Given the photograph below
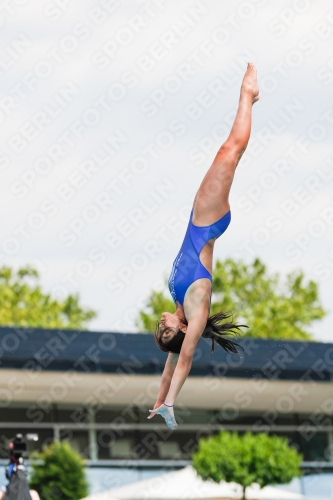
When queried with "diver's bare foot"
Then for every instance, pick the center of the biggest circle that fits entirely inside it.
(250, 84)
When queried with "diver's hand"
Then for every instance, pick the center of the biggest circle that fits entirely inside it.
(158, 403)
(167, 413)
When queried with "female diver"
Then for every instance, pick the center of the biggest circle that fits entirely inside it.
(190, 282)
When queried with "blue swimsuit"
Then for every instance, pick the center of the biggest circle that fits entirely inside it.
(187, 267)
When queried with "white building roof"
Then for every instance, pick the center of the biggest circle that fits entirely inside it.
(185, 484)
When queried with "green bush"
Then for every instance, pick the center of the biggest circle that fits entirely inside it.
(58, 472)
(247, 459)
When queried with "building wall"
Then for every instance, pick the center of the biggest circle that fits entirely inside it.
(118, 435)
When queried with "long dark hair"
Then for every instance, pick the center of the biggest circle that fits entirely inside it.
(214, 330)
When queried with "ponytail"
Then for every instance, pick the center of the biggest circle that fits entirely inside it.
(217, 331)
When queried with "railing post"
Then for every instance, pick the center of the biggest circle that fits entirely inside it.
(93, 448)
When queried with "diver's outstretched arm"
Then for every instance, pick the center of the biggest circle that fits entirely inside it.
(195, 328)
(196, 325)
(166, 377)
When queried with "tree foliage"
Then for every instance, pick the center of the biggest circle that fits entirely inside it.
(23, 303)
(58, 472)
(247, 459)
(271, 306)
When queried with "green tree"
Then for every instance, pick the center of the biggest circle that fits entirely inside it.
(58, 472)
(247, 459)
(272, 307)
(23, 303)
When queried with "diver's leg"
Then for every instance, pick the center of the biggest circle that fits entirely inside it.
(211, 201)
